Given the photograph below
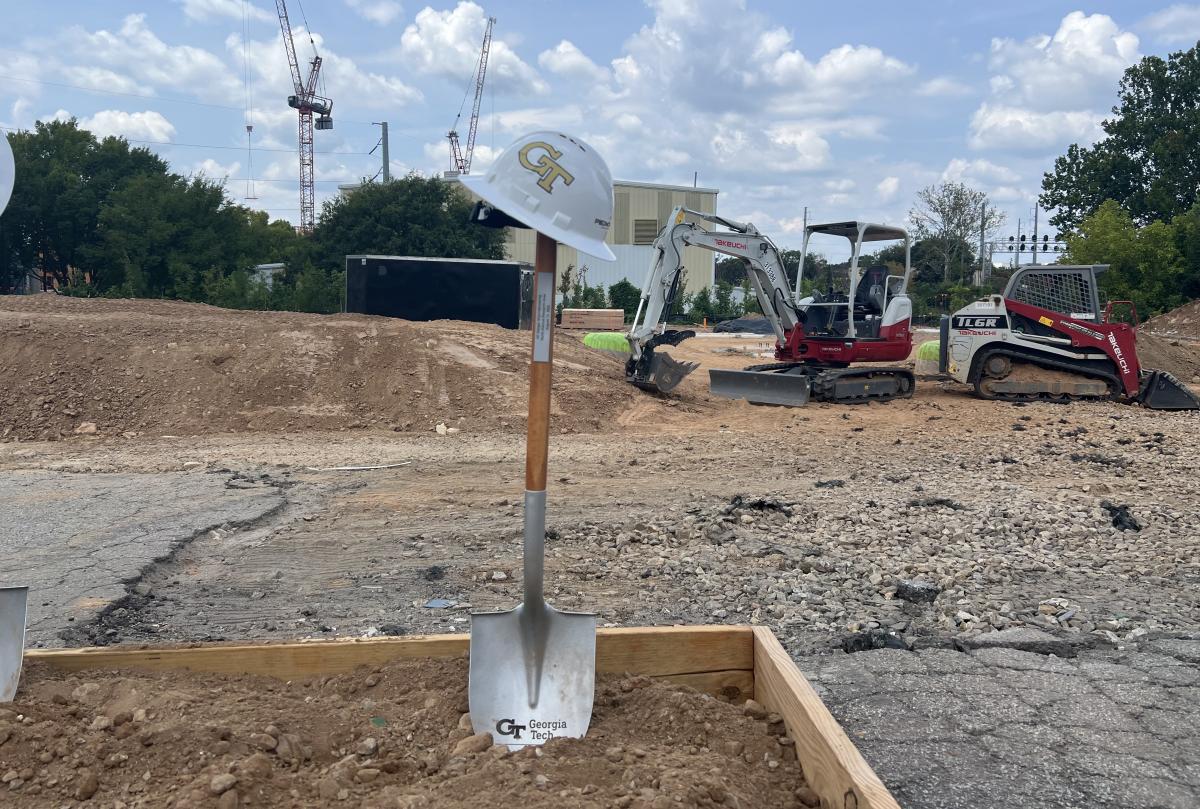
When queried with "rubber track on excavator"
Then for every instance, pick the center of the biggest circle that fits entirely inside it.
(824, 382)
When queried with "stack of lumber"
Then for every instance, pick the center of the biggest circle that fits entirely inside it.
(593, 319)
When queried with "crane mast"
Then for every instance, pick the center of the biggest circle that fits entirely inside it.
(461, 158)
(306, 102)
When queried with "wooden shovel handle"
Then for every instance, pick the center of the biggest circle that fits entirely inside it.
(537, 442)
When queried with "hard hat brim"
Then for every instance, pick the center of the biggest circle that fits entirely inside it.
(479, 185)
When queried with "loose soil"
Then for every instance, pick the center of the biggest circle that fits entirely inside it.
(393, 736)
(1182, 322)
(189, 369)
(1178, 357)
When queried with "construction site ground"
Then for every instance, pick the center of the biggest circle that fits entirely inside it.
(168, 476)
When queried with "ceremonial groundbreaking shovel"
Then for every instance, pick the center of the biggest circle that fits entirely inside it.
(533, 668)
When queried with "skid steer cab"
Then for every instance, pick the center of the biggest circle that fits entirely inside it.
(1047, 339)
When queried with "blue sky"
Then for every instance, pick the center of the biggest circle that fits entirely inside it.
(847, 109)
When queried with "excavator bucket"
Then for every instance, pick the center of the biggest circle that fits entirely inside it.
(1162, 391)
(761, 387)
(662, 374)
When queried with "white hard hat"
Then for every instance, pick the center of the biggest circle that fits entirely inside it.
(555, 184)
(7, 171)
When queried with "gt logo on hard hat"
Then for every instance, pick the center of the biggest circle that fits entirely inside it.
(546, 166)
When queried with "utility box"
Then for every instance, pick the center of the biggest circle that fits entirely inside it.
(419, 288)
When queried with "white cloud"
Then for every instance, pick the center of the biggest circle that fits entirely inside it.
(446, 44)
(1078, 66)
(565, 59)
(135, 51)
(942, 86)
(377, 11)
(1176, 25)
(216, 171)
(203, 10)
(1005, 127)
(887, 189)
(1050, 90)
(978, 172)
(147, 125)
(844, 184)
(98, 78)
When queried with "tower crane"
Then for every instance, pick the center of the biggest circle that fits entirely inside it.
(306, 102)
(461, 158)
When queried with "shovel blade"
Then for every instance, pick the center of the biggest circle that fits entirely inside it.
(13, 604)
(533, 674)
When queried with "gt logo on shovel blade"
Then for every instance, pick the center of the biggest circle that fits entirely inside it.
(509, 727)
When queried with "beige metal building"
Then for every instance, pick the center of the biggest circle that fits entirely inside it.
(639, 211)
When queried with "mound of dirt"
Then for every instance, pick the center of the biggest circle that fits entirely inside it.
(1183, 322)
(116, 366)
(393, 737)
(1178, 357)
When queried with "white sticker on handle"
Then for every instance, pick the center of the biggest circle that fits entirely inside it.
(543, 316)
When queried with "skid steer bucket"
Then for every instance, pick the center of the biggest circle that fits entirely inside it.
(1162, 391)
(761, 387)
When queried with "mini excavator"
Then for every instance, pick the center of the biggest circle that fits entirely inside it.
(817, 337)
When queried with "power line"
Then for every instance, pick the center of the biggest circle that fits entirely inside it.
(171, 99)
(212, 146)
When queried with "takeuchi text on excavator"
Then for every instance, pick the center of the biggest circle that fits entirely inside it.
(817, 337)
(1046, 338)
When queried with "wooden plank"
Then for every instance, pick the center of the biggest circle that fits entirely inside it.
(654, 651)
(659, 650)
(736, 686)
(832, 765)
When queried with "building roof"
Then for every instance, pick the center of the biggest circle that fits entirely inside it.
(662, 187)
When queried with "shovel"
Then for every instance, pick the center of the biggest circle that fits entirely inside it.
(13, 602)
(533, 668)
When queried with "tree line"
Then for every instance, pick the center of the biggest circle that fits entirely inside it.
(97, 217)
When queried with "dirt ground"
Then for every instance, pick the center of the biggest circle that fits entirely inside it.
(396, 736)
(662, 510)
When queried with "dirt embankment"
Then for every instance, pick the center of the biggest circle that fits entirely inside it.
(187, 369)
(1182, 322)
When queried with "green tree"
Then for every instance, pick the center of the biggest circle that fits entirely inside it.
(724, 306)
(64, 177)
(411, 216)
(731, 270)
(625, 295)
(1145, 264)
(749, 299)
(1147, 160)
(702, 306)
(949, 217)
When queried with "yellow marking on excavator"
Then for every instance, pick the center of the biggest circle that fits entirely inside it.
(1045, 321)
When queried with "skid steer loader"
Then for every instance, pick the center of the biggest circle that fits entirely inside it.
(1046, 338)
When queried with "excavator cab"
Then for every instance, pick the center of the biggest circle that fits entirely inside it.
(872, 305)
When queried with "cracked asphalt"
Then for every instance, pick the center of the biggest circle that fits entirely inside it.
(1000, 728)
(79, 540)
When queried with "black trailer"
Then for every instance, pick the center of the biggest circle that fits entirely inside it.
(419, 288)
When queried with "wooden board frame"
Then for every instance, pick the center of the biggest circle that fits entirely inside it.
(738, 662)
